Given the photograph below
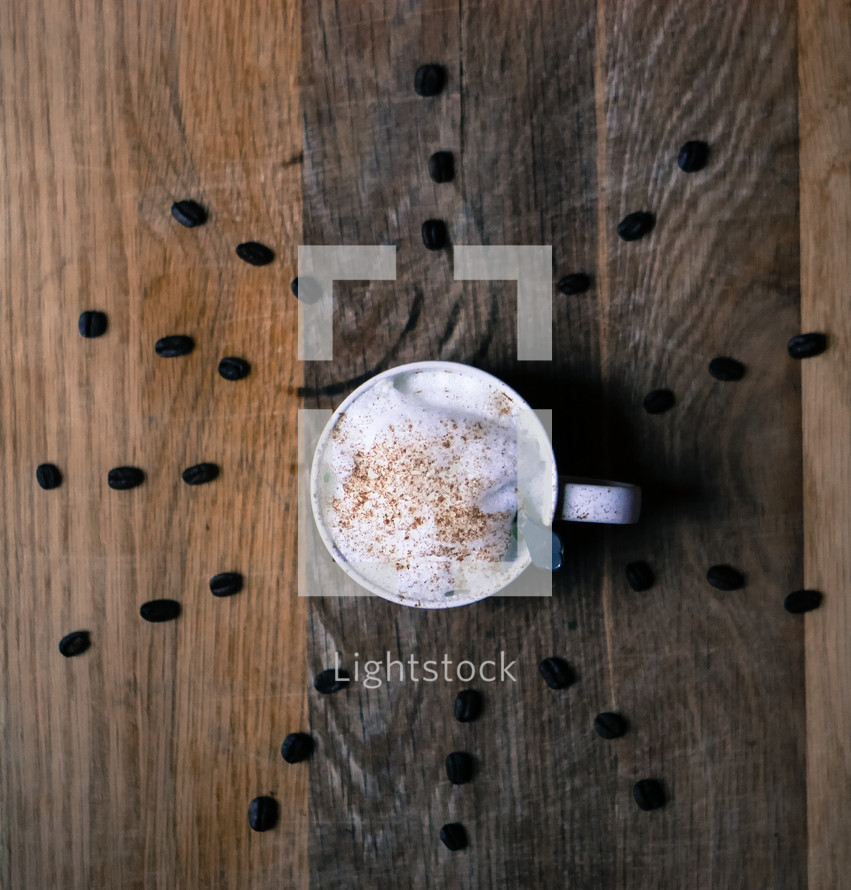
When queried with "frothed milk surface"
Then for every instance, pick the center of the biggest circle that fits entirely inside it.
(420, 484)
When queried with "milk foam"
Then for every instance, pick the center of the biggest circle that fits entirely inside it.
(422, 492)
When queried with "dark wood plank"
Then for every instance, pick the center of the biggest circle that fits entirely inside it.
(825, 124)
(712, 681)
(565, 119)
(385, 795)
(133, 765)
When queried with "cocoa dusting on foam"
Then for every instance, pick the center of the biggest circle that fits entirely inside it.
(426, 492)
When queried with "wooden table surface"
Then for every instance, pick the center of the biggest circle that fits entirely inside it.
(133, 764)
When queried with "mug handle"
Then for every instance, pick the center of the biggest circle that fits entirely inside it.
(595, 500)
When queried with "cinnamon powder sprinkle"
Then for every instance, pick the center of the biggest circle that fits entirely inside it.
(428, 507)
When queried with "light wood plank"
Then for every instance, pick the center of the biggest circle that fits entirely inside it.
(825, 129)
(134, 764)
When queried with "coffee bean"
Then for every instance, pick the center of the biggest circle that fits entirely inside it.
(639, 576)
(454, 836)
(263, 813)
(441, 166)
(174, 346)
(723, 368)
(807, 345)
(233, 368)
(92, 324)
(802, 601)
(331, 680)
(434, 234)
(48, 476)
(122, 478)
(189, 213)
(254, 253)
(636, 225)
(725, 577)
(459, 767)
(556, 672)
(468, 705)
(574, 283)
(74, 643)
(307, 289)
(429, 80)
(226, 584)
(610, 725)
(693, 156)
(297, 746)
(649, 794)
(200, 473)
(160, 610)
(659, 401)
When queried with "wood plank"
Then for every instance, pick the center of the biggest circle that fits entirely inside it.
(563, 121)
(384, 794)
(825, 129)
(133, 765)
(712, 680)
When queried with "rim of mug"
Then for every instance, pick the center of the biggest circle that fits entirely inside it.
(321, 444)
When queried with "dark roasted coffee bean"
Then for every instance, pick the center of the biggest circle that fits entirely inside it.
(48, 476)
(639, 576)
(233, 368)
(189, 213)
(226, 584)
(174, 346)
(636, 225)
(609, 725)
(434, 234)
(263, 813)
(649, 794)
(725, 577)
(331, 680)
(468, 705)
(441, 166)
(693, 156)
(429, 80)
(556, 672)
(74, 643)
(574, 283)
(160, 610)
(659, 401)
(200, 473)
(807, 345)
(254, 253)
(802, 601)
(297, 746)
(454, 836)
(122, 478)
(459, 767)
(723, 368)
(92, 324)
(307, 289)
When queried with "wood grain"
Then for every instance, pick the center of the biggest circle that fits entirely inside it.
(563, 120)
(720, 673)
(825, 125)
(133, 765)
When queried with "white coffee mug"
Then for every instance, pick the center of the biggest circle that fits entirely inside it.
(440, 390)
